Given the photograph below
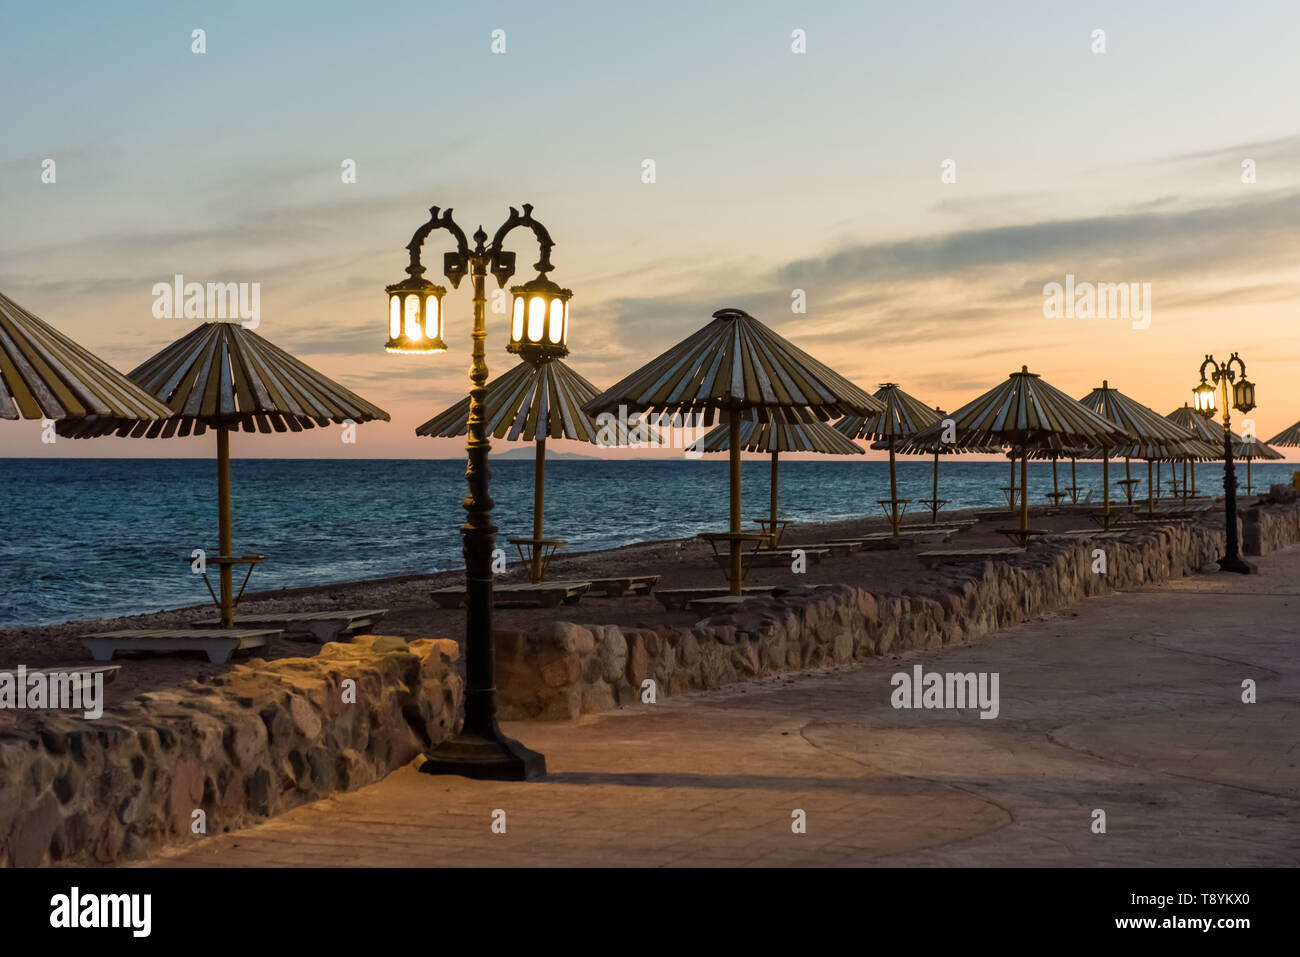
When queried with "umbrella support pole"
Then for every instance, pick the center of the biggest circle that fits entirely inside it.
(226, 536)
(1105, 489)
(1024, 490)
(1184, 481)
(1011, 496)
(934, 495)
(1151, 502)
(539, 498)
(772, 516)
(1074, 483)
(893, 490)
(733, 424)
(1128, 481)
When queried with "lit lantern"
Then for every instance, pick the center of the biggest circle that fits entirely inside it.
(1243, 395)
(415, 316)
(539, 320)
(1203, 399)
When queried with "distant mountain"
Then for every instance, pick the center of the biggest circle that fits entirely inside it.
(530, 453)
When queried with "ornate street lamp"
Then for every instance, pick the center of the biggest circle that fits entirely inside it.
(415, 314)
(1242, 399)
(415, 320)
(539, 320)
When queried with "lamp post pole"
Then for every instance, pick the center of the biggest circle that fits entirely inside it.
(1225, 375)
(480, 750)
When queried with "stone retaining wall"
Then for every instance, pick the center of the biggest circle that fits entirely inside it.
(268, 736)
(254, 742)
(560, 670)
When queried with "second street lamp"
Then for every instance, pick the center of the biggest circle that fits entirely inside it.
(1243, 400)
(480, 750)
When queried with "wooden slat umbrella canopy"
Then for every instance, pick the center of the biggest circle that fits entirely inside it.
(1249, 451)
(735, 364)
(1288, 437)
(527, 402)
(1025, 411)
(903, 416)
(777, 437)
(1194, 422)
(1157, 438)
(532, 402)
(1153, 432)
(224, 377)
(1211, 432)
(45, 375)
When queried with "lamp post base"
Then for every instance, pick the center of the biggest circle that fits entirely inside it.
(1238, 565)
(485, 758)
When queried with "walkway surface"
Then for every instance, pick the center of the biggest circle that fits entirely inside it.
(1129, 704)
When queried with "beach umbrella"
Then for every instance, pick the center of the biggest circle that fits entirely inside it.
(736, 365)
(1054, 455)
(534, 401)
(1211, 432)
(909, 446)
(1025, 412)
(775, 438)
(1251, 449)
(1151, 435)
(902, 417)
(1198, 425)
(45, 375)
(223, 377)
(1288, 438)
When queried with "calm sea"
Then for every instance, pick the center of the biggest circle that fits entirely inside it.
(90, 538)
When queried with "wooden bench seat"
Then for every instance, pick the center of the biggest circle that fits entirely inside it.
(907, 537)
(529, 595)
(628, 585)
(321, 626)
(677, 598)
(217, 643)
(959, 556)
(773, 557)
(1085, 533)
(718, 603)
(837, 547)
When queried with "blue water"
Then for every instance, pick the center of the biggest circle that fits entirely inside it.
(90, 538)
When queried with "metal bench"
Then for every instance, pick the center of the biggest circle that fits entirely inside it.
(217, 643)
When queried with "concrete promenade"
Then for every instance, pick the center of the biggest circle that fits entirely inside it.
(1131, 704)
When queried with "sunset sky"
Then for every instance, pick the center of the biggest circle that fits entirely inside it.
(775, 171)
